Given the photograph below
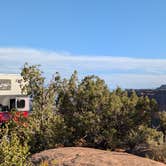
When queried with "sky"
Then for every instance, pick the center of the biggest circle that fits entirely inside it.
(122, 41)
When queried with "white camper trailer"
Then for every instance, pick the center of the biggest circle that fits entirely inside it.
(11, 96)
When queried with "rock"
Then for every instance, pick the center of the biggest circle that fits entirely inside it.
(79, 156)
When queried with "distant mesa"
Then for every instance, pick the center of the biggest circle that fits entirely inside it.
(162, 87)
(159, 94)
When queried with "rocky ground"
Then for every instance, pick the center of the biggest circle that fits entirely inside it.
(78, 156)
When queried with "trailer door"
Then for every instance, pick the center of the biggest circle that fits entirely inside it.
(12, 104)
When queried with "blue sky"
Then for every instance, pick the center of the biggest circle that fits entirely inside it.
(101, 37)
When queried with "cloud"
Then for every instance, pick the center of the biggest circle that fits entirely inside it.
(117, 71)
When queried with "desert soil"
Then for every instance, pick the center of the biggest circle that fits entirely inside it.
(79, 156)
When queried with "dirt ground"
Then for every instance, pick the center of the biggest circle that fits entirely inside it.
(78, 156)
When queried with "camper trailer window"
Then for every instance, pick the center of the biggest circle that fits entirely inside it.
(5, 84)
(20, 103)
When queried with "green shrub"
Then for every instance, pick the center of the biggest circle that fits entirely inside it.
(46, 130)
(13, 152)
(141, 139)
(157, 152)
